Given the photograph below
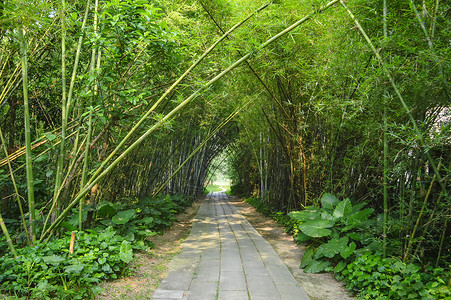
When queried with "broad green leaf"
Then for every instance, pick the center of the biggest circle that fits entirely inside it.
(307, 258)
(316, 266)
(107, 234)
(41, 158)
(328, 201)
(334, 246)
(50, 136)
(130, 236)
(123, 217)
(343, 208)
(340, 266)
(317, 228)
(126, 252)
(74, 268)
(304, 215)
(147, 220)
(301, 237)
(347, 251)
(105, 211)
(326, 216)
(53, 259)
(360, 216)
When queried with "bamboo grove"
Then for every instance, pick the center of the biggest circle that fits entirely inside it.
(110, 101)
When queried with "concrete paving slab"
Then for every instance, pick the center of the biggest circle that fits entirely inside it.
(225, 258)
(235, 295)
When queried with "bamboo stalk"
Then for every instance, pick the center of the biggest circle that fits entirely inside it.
(161, 122)
(29, 162)
(66, 102)
(16, 191)
(417, 223)
(60, 164)
(66, 181)
(88, 140)
(385, 183)
(398, 94)
(72, 242)
(430, 44)
(8, 237)
(434, 19)
(445, 226)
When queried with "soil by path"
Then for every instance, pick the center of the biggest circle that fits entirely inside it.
(150, 267)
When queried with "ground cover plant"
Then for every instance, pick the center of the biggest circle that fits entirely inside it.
(341, 238)
(48, 271)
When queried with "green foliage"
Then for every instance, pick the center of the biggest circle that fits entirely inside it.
(328, 229)
(48, 271)
(143, 218)
(374, 277)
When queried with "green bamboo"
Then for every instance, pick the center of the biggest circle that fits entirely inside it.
(168, 116)
(445, 226)
(384, 233)
(430, 44)
(401, 99)
(66, 180)
(89, 135)
(16, 191)
(8, 237)
(66, 102)
(60, 164)
(28, 159)
(170, 89)
(434, 18)
(417, 223)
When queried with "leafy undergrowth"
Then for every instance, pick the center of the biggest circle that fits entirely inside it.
(341, 238)
(48, 271)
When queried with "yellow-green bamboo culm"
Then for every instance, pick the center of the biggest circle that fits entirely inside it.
(8, 237)
(28, 159)
(16, 190)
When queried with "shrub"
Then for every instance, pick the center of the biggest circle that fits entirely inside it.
(46, 271)
(374, 277)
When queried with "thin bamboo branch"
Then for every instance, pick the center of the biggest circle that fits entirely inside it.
(431, 46)
(417, 223)
(398, 94)
(16, 191)
(385, 181)
(8, 237)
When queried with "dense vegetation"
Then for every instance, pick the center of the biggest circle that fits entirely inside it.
(106, 106)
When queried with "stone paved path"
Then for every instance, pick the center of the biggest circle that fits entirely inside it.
(225, 258)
